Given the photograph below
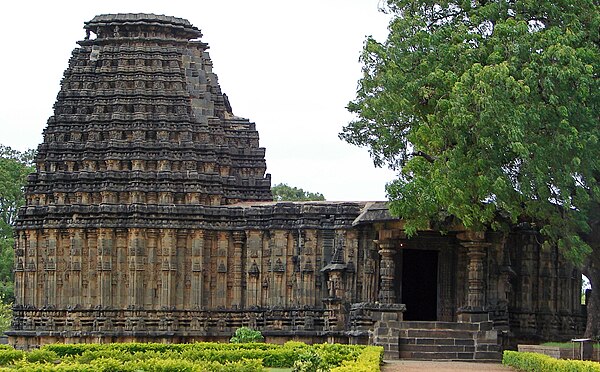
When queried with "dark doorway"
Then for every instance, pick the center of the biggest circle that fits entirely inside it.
(419, 284)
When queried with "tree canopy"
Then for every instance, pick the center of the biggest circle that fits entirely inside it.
(283, 192)
(490, 111)
(14, 168)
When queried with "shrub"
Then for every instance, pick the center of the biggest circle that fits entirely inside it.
(8, 356)
(533, 362)
(41, 356)
(368, 361)
(309, 361)
(245, 334)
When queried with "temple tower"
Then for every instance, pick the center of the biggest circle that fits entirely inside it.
(141, 137)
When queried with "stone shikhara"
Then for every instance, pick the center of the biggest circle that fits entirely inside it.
(150, 218)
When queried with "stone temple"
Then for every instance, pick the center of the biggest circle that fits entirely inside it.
(150, 218)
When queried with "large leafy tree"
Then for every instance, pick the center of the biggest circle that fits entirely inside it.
(284, 192)
(14, 168)
(490, 111)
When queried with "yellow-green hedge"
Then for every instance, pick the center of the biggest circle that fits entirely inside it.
(154, 364)
(251, 357)
(368, 361)
(534, 362)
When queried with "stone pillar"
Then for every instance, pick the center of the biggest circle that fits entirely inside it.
(105, 259)
(197, 268)
(118, 283)
(179, 271)
(153, 269)
(75, 252)
(92, 289)
(168, 247)
(387, 267)
(476, 245)
(238, 256)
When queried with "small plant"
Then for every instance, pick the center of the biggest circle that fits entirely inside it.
(245, 334)
(309, 361)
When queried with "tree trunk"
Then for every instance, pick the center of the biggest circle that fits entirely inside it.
(592, 271)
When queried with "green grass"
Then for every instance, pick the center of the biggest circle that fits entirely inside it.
(279, 369)
(566, 345)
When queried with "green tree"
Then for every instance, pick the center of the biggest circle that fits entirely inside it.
(283, 192)
(489, 109)
(245, 334)
(14, 168)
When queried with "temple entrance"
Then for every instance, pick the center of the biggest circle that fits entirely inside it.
(419, 284)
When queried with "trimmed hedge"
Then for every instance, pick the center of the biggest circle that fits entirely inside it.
(154, 364)
(534, 362)
(249, 357)
(368, 361)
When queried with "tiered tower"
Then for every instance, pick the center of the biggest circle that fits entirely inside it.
(141, 119)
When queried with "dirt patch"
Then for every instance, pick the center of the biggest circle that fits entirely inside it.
(420, 366)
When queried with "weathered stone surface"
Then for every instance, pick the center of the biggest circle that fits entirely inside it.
(149, 218)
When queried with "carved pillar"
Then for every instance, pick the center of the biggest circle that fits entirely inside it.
(136, 253)
(20, 268)
(51, 262)
(476, 246)
(168, 247)
(179, 271)
(387, 270)
(238, 243)
(153, 265)
(31, 262)
(105, 253)
(220, 298)
(118, 283)
(197, 268)
(92, 276)
(75, 282)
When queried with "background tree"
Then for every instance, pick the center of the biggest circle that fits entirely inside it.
(246, 334)
(14, 168)
(490, 110)
(283, 192)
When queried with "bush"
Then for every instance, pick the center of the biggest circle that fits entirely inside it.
(41, 356)
(368, 361)
(245, 334)
(8, 356)
(309, 361)
(534, 362)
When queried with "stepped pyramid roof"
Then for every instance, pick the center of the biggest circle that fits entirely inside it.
(140, 119)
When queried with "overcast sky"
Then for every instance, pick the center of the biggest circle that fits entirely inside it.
(290, 67)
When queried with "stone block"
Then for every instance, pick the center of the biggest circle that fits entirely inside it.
(444, 341)
(488, 355)
(464, 342)
(424, 341)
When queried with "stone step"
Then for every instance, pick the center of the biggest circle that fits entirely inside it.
(438, 341)
(465, 347)
(451, 356)
(437, 333)
(483, 326)
(438, 348)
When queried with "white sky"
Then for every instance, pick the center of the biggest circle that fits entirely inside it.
(290, 67)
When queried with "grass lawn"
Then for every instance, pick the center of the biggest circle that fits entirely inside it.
(567, 345)
(279, 369)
